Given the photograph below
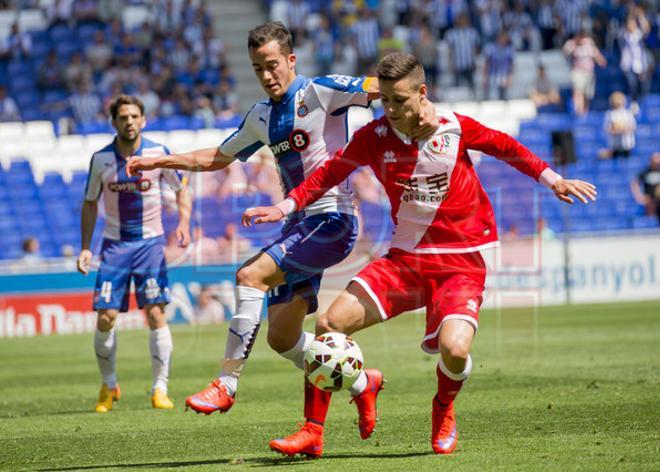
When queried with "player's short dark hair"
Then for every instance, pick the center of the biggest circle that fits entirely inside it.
(125, 100)
(271, 31)
(398, 65)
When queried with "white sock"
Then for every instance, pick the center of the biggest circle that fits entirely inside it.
(461, 375)
(105, 347)
(243, 330)
(160, 347)
(297, 352)
(359, 385)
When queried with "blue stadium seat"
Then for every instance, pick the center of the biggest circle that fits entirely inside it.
(19, 67)
(61, 33)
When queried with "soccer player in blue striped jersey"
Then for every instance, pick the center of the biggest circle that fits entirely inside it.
(133, 246)
(304, 123)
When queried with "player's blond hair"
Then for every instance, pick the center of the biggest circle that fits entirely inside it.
(399, 65)
(271, 31)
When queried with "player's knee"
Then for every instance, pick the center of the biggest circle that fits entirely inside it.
(155, 316)
(456, 349)
(105, 320)
(279, 341)
(330, 321)
(248, 276)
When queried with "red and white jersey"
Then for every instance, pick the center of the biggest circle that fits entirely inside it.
(438, 203)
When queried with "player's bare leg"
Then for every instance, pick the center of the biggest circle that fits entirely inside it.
(105, 347)
(253, 280)
(351, 311)
(160, 348)
(454, 367)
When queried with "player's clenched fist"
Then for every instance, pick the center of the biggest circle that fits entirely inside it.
(267, 214)
(84, 258)
(134, 166)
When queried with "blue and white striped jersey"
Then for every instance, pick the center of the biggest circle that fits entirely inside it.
(132, 205)
(305, 128)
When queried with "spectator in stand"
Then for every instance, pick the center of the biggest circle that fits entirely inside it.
(210, 50)
(584, 56)
(110, 10)
(58, 12)
(634, 60)
(499, 68)
(573, 15)
(180, 55)
(425, 47)
(31, 251)
(365, 34)
(205, 249)
(464, 44)
(208, 310)
(16, 46)
(149, 98)
(86, 12)
(512, 234)
(143, 38)
(543, 231)
(646, 188)
(388, 43)
(127, 50)
(297, 14)
(86, 105)
(324, 46)
(231, 244)
(77, 71)
(232, 181)
(204, 111)
(8, 107)
(544, 93)
(99, 53)
(225, 101)
(523, 33)
(548, 21)
(620, 127)
(489, 14)
(50, 74)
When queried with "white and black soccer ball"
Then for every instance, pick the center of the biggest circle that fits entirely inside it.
(333, 362)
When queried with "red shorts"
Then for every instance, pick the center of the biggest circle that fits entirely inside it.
(450, 286)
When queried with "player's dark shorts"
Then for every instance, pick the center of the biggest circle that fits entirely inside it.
(144, 261)
(450, 286)
(306, 248)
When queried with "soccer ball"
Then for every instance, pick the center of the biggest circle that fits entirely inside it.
(333, 362)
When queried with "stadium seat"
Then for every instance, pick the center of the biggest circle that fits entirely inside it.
(39, 131)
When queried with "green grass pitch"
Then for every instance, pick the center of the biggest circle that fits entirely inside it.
(558, 388)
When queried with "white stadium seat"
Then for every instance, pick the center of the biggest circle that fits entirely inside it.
(160, 137)
(182, 140)
(32, 20)
(134, 16)
(208, 138)
(39, 130)
(11, 131)
(97, 141)
(70, 144)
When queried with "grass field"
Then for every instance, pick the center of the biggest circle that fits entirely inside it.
(570, 388)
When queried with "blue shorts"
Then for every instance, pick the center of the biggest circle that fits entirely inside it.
(144, 261)
(306, 248)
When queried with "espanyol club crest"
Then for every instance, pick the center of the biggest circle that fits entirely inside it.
(439, 144)
(302, 110)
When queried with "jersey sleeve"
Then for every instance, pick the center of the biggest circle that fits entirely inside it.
(176, 179)
(501, 146)
(333, 172)
(243, 142)
(340, 91)
(94, 183)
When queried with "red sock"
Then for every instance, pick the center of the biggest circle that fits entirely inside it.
(447, 388)
(317, 402)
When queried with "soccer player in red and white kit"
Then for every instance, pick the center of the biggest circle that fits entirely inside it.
(443, 218)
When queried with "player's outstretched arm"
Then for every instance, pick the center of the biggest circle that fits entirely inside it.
(583, 191)
(202, 160)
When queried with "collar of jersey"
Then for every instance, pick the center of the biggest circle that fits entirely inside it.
(403, 137)
(119, 157)
(296, 85)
